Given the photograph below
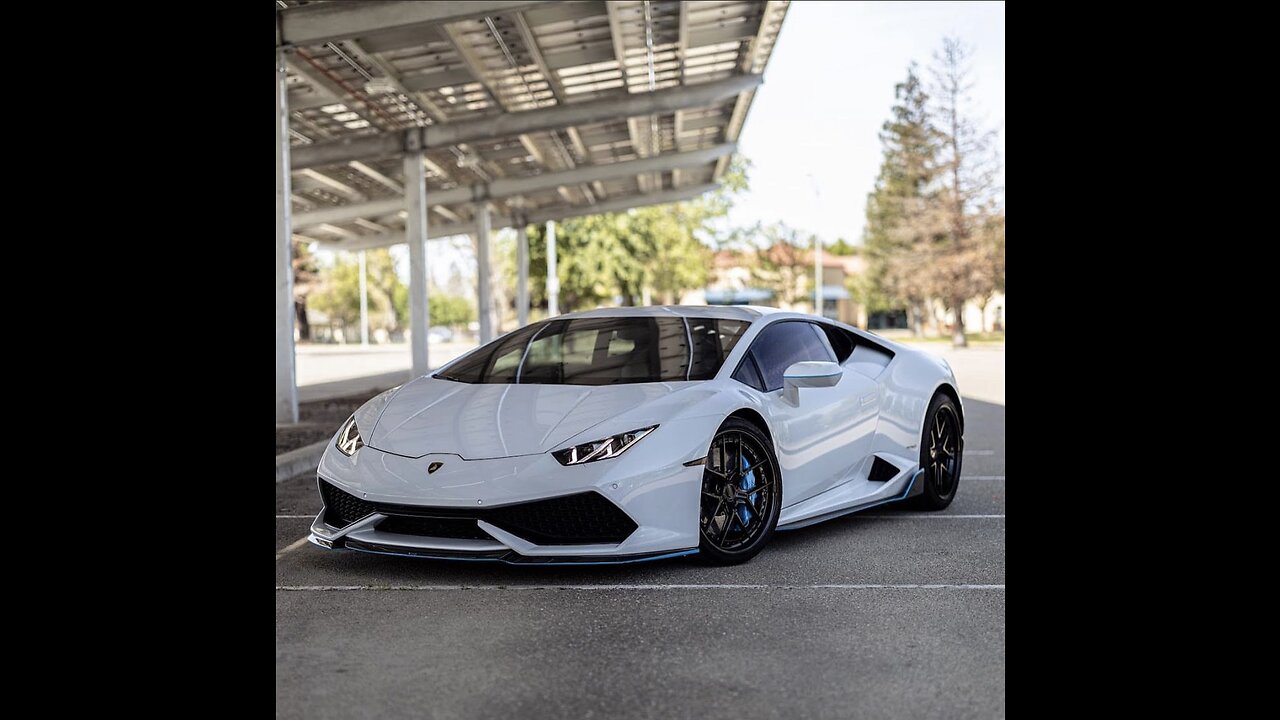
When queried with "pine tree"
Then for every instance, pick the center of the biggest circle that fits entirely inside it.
(894, 232)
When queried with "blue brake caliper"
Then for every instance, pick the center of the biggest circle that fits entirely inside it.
(748, 482)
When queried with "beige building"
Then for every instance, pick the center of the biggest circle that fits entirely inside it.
(739, 278)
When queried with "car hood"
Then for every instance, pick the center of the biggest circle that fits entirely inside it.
(484, 421)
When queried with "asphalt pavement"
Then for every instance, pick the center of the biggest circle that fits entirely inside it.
(891, 613)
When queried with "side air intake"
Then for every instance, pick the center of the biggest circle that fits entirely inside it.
(882, 471)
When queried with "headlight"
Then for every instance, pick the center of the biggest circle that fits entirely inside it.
(349, 440)
(602, 449)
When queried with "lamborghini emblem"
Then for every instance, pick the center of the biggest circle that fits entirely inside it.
(434, 467)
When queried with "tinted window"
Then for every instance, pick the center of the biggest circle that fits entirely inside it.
(477, 367)
(784, 343)
(596, 351)
(713, 340)
(746, 374)
(840, 340)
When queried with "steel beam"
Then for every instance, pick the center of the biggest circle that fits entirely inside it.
(368, 242)
(619, 204)
(515, 124)
(342, 213)
(286, 376)
(327, 22)
(508, 187)
(375, 175)
(415, 204)
(590, 173)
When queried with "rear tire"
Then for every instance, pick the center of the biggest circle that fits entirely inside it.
(738, 511)
(941, 455)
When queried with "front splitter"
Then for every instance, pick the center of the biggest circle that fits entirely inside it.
(509, 557)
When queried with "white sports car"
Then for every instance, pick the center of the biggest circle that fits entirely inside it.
(642, 433)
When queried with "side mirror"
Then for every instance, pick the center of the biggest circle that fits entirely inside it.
(808, 374)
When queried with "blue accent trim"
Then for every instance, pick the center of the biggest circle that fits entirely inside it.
(850, 511)
(677, 554)
(628, 561)
(411, 555)
(802, 377)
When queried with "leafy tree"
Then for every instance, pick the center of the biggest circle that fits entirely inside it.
(339, 291)
(785, 265)
(842, 247)
(450, 310)
(339, 294)
(645, 254)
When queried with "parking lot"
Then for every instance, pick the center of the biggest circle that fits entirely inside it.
(889, 613)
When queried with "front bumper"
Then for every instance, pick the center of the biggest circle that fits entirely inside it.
(524, 510)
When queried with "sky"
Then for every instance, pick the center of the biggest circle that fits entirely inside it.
(812, 132)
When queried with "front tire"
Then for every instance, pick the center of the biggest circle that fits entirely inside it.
(941, 454)
(741, 494)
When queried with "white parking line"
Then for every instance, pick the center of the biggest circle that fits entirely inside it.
(981, 477)
(295, 517)
(291, 547)
(424, 588)
(926, 516)
(979, 452)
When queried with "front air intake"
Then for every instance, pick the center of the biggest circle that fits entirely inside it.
(342, 508)
(586, 518)
(581, 519)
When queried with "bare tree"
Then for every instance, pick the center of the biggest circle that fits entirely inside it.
(786, 264)
(967, 196)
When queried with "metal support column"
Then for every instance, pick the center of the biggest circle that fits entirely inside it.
(483, 289)
(364, 303)
(286, 376)
(522, 272)
(553, 279)
(415, 226)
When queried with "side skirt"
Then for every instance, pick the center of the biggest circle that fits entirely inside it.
(856, 508)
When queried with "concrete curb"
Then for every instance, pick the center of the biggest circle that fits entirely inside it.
(296, 462)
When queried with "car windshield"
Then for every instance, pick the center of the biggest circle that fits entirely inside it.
(602, 351)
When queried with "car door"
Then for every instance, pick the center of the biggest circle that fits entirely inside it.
(821, 441)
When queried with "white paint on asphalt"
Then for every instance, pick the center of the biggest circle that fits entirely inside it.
(979, 452)
(927, 516)
(292, 546)
(425, 588)
(981, 477)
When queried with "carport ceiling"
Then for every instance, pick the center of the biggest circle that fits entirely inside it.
(525, 104)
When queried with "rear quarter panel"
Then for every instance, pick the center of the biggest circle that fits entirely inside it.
(907, 386)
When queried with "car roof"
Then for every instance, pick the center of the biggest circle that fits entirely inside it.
(749, 313)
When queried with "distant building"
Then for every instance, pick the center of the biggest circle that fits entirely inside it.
(735, 280)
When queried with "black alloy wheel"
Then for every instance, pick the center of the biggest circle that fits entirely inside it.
(941, 454)
(741, 494)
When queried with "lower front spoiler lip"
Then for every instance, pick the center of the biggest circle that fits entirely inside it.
(509, 557)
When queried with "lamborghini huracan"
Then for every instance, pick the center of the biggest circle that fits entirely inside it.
(628, 434)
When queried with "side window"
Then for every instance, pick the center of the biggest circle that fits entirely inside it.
(784, 343)
(713, 340)
(747, 375)
(840, 341)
